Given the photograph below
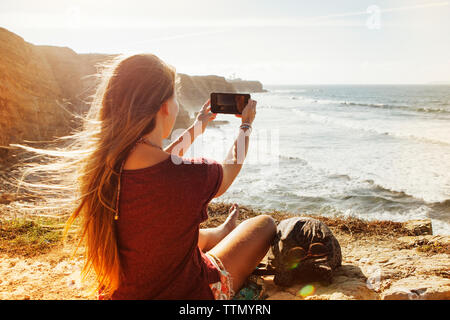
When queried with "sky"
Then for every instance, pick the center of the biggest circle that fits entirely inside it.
(275, 42)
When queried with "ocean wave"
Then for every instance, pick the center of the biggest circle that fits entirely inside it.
(302, 161)
(376, 201)
(353, 125)
(374, 191)
(339, 176)
(389, 194)
(396, 195)
(444, 110)
(401, 107)
(421, 212)
(282, 92)
(442, 205)
(402, 196)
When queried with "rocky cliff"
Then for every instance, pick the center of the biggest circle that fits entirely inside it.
(41, 87)
(195, 90)
(29, 94)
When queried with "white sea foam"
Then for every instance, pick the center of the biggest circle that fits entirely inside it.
(429, 134)
(371, 162)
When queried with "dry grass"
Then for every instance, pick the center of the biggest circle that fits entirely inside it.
(434, 247)
(30, 237)
(352, 226)
(428, 246)
(34, 236)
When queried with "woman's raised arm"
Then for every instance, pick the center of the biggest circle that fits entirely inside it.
(235, 158)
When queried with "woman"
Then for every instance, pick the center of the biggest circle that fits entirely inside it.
(141, 205)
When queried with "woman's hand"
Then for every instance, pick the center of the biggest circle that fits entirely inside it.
(249, 112)
(205, 116)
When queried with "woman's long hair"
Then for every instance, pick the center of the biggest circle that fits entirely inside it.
(124, 109)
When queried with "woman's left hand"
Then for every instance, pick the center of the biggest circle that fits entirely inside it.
(205, 115)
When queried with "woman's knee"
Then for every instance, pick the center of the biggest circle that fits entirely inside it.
(271, 224)
(264, 222)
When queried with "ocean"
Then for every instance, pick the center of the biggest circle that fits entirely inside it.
(367, 151)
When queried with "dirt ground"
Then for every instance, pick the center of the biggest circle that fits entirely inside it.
(376, 265)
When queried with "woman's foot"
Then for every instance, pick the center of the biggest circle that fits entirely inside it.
(230, 222)
(210, 237)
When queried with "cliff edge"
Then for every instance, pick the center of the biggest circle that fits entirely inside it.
(43, 87)
(382, 260)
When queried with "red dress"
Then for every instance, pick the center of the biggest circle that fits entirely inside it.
(160, 210)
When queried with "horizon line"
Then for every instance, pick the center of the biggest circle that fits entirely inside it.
(355, 84)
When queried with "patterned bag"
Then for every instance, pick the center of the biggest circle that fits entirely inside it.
(253, 289)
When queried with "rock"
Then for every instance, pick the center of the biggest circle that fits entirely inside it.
(414, 288)
(183, 120)
(281, 295)
(196, 90)
(395, 270)
(247, 86)
(29, 94)
(420, 240)
(426, 244)
(349, 283)
(419, 227)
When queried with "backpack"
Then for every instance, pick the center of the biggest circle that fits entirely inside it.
(303, 250)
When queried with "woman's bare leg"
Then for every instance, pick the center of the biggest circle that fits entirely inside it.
(244, 247)
(209, 237)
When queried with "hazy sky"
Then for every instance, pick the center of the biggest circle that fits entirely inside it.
(276, 42)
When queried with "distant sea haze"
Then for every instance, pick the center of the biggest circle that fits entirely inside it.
(372, 151)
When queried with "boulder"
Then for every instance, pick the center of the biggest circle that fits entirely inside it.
(415, 288)
(419, 227)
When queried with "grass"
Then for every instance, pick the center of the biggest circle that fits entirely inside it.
(34, 236)
(433, 247)
(30, 237)
(356, 227)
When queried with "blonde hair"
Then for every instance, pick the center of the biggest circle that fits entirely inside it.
(85, 174)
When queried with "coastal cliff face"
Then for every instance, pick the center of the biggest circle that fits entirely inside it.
(29, 94)
(195, 90)
(75, 74)
(41, 87)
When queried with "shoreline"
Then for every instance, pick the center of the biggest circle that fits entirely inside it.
(381, 260)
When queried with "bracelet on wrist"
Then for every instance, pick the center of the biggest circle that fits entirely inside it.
(245, 126)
